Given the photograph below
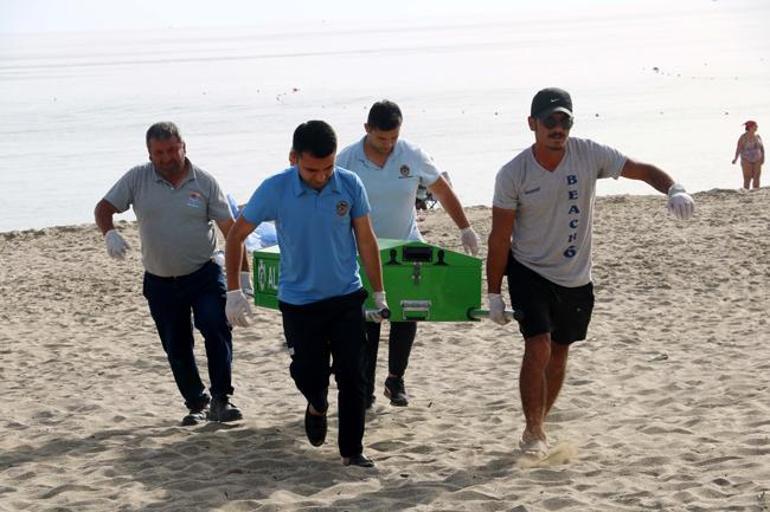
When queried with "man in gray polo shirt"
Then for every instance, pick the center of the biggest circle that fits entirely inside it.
(175, 203)
(548, 189)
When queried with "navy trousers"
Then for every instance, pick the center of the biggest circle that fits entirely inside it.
(178, 303)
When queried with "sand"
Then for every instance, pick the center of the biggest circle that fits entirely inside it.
(666, 405)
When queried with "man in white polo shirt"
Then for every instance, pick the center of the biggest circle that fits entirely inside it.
(392, 169)
(321, 216)
(176, 206)
(541, 238)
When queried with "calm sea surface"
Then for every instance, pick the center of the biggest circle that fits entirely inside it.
(667, 87)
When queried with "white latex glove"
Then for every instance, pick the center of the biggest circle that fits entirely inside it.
(497, 309)
(680, 203)
(470, 240)
(380, 303)
(116, 245)
(238, 309)
(246, 285)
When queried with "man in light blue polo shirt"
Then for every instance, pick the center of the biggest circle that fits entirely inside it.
(392, 169)
(321, 214)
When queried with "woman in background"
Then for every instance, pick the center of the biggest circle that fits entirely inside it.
(752, 154)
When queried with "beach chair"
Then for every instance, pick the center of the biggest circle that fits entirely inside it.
(424, 199)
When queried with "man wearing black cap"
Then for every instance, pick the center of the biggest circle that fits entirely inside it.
(541, 239)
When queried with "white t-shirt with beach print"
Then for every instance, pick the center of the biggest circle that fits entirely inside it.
(554, 209)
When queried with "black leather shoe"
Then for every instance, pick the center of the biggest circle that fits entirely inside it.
(199, 412)
(395, 390)
(315, 427)
(223, 410)
(359, 460)
(194, 417)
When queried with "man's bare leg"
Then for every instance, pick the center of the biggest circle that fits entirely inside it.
(533, 386)
(554, 374)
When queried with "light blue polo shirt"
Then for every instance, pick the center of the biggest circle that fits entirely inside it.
(315, 233)
(392, 188)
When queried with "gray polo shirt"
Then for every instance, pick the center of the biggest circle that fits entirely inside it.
(175, 224)
(554, 209)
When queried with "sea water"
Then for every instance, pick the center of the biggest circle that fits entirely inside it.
(671, 86)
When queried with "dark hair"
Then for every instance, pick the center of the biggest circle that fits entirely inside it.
(163, 130)
(314, 137)
(384, 115)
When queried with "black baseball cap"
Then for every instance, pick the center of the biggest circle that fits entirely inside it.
(550, 100)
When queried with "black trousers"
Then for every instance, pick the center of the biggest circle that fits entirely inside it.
(330, 329)
(400, 343)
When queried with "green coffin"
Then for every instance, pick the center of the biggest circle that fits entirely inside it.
(423, 281)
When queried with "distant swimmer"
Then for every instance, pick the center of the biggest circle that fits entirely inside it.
(176, 205)
(752, 154)
(392, 171)
(541, 239)
(321, 215)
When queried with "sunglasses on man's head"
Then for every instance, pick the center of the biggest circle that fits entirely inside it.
(551, 122)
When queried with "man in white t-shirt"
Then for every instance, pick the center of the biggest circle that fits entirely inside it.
(392, 169)
(541, 239)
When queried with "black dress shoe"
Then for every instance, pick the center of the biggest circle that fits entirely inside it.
(359, 460)
(315, 427)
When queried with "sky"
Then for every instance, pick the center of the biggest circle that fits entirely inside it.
(33, 16)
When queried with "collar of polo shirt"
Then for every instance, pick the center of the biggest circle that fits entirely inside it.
(299, 187)
(361, 154)
(190, 176)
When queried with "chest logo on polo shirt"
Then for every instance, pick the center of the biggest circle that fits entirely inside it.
(195, 200)
(405, 171)
(343, 208)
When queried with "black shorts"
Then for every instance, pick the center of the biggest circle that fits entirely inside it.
(548, 307)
